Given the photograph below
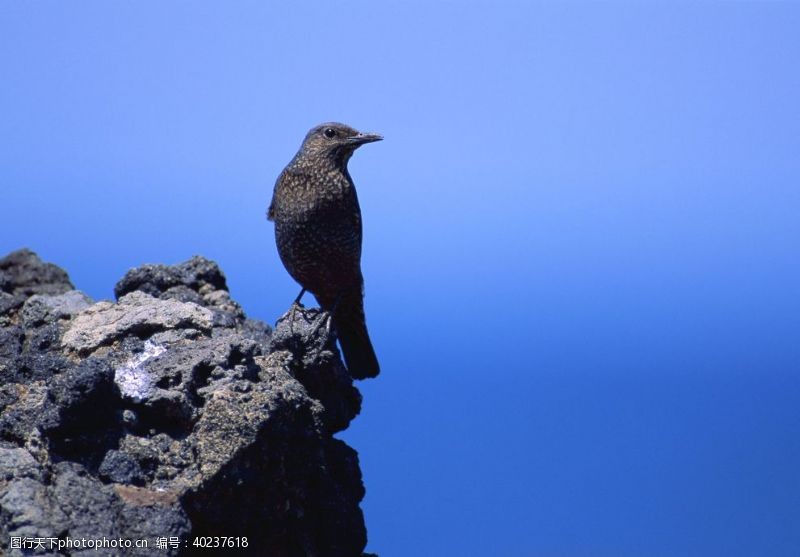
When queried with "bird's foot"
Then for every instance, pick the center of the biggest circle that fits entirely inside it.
(325, 318)
(296, 304)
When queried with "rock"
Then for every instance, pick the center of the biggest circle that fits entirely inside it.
(314, 359)
(170, 414)
(22, 273)
(136, 314)
(8, 302)
(16, 462)
(40, 309)
(121, 468)
(197, 280)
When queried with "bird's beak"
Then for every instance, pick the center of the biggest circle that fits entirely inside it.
(362, 138)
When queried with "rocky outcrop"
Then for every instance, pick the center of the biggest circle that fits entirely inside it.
(169, 416)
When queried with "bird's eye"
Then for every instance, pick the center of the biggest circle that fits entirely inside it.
(330, 133)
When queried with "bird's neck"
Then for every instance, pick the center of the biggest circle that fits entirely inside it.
(332, 161)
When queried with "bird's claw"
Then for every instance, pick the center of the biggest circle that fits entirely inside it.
(296, 304)
(325, 318)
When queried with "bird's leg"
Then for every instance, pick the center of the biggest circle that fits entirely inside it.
(295, 305)
(324, 318)
(327, 318)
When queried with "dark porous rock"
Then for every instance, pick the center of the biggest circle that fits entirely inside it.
(169, 414)
(23, 274)
(40, 310)
(303, 338)
(197, 280)
(122, 468)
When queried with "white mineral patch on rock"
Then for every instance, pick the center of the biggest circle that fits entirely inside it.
(131, 377)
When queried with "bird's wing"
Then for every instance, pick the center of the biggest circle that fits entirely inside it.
(271, 209)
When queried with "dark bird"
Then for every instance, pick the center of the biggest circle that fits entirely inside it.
(318, 232)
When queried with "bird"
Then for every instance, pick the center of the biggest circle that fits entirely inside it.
(318, 233)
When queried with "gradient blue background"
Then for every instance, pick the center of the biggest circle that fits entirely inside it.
(581, 240)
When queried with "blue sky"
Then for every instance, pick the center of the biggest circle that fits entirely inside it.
(580, 242)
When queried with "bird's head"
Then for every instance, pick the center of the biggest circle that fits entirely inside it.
(335, 141)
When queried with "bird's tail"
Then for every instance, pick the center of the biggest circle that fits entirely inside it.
(351, 328)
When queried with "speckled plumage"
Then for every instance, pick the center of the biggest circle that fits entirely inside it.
(318, 233)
